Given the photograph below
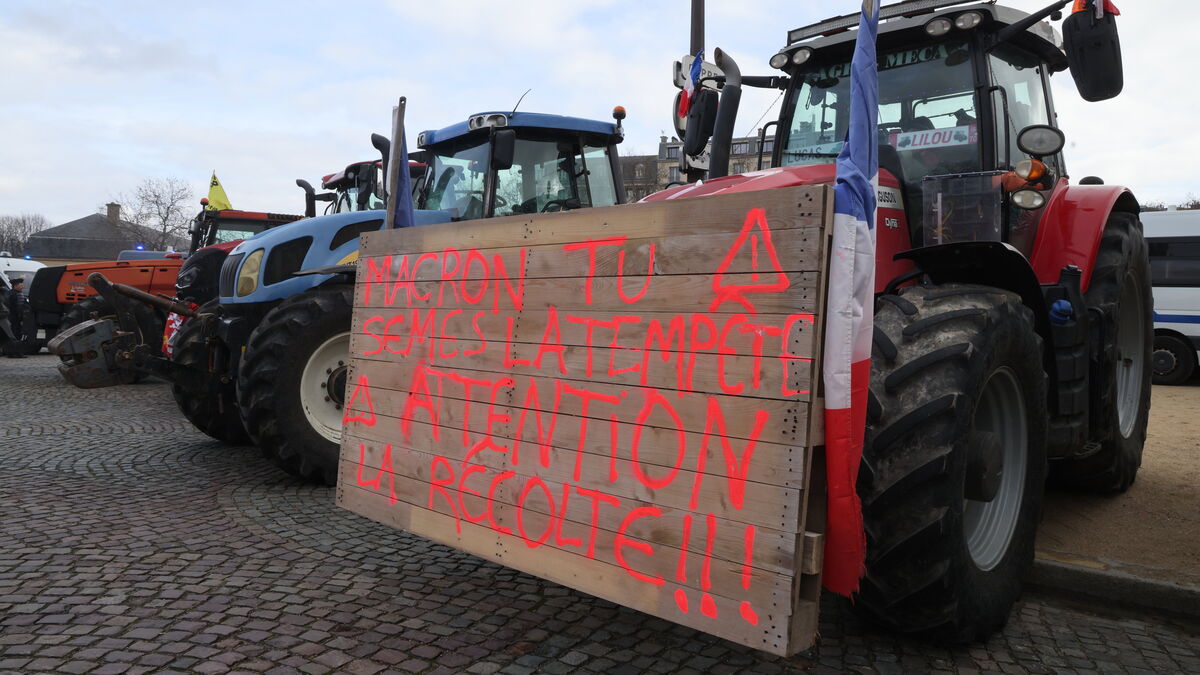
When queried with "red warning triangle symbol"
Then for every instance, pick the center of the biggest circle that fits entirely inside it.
(748, 251)
(362, 387)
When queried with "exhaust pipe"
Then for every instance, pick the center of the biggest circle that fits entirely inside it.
(727, 109)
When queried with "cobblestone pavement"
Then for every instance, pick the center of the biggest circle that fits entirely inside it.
(131, 543)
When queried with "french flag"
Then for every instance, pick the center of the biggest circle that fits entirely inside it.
(849, 315)
(689, 86)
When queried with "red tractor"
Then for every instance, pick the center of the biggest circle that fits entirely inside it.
(1012, 320)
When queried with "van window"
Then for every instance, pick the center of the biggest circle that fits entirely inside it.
(1175, 261)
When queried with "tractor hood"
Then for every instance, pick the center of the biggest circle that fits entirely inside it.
(303, 245)
(766, 179)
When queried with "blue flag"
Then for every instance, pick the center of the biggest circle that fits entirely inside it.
(402, 203)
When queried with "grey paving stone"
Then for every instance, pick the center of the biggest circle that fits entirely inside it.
(134, 543)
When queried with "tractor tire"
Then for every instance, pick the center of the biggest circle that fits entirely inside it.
(1174, 360)
(954, 460)
(211, 409)
(1120, 410)
(292, 382)
(150, 324)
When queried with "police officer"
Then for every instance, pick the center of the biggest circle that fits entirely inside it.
(14, 307)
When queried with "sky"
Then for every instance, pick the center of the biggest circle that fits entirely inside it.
(99, 96)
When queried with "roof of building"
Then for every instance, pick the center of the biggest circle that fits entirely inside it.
(93, 237)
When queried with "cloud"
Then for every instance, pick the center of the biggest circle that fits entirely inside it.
(100, 96)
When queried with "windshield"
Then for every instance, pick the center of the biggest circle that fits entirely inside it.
(359, 191)
(233, 231)
(455, 180)
(549, 175)
(926, 111)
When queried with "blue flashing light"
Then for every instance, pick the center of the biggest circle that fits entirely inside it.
(140, 247)
(29, 257)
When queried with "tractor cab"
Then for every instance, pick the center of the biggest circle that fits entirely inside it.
(967, 147)
(358, 187)
(224, 226)
(501, 164)
(957, 87)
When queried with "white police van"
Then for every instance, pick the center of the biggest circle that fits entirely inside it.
(18, 268)
(1174, 240)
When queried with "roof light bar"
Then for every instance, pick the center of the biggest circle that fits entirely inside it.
(841, 23)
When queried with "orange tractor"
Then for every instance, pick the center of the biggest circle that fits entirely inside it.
(61, 296)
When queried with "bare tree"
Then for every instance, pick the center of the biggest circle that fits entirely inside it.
(1154, 206)
(161, 208)
(16, 230)
(1192, 203)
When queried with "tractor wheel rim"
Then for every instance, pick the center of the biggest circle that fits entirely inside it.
(323, 408)
(1131, 354)
(988, 526)
(1164, 362)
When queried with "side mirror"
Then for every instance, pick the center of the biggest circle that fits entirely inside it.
(504, 147)
(1094, 54)
(701, 120)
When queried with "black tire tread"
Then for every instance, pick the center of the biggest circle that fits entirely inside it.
(262, 404)
(1113, 468)
(919, 411)
(211, 409)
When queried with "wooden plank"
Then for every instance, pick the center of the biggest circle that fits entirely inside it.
(450, 330)
(533, 510)
(634, 258)
(786, 378)
(758, 504)
(773, 547)
(765, 420)
(687, 293)
(574, 439)
(805, 207)
(814, 553)
(659, 374)
(768, 631)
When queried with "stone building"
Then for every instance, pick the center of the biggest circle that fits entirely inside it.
(640, 173)
(98, 236)
(645, 174)
(743, 157)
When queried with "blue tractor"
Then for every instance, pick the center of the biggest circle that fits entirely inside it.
(275, 352)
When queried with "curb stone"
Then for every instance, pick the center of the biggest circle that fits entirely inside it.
(1094, 580)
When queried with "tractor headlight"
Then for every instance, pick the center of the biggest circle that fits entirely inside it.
(938, 27)
(247, 280)
(801, 55)
(1028, 199)
(968, 20)
(779, 60)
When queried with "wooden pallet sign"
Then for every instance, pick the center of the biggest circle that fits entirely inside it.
(621, 400)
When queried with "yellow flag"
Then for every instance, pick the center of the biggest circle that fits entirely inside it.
(217, 199)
